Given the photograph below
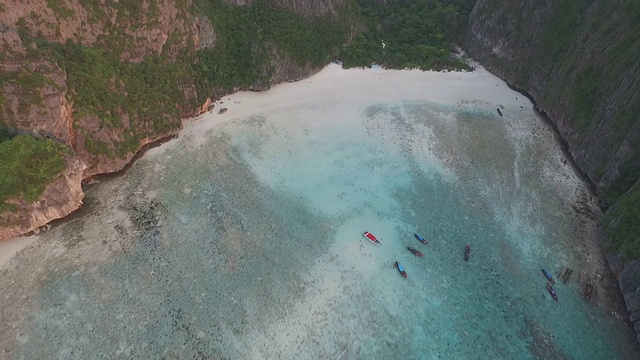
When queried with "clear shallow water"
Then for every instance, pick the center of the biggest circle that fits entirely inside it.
(253, 247)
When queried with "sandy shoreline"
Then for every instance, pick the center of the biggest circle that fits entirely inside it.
(446, 88)
(9, 248)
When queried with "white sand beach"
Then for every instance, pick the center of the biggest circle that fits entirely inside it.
(9, 248)
(335, 84)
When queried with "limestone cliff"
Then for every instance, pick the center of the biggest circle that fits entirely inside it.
(107, 78)
(39, 99)
(578, 60)
(59, 199)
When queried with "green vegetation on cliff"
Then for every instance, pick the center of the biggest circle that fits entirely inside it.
(102, 86)
(109, 89)
(579, 60)
(621, 224)
(249, 37)
(604, 100)
(585, 96)
(583, 55)
(5, 134)
(562, 27)
(622, 64)
(27, 166)
(409, 34)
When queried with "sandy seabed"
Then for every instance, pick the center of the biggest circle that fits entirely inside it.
(242, 239)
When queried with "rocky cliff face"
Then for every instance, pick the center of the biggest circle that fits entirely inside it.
(59, 199)
(39, 102)
(106, 78)
(38, 99)
(578, 60)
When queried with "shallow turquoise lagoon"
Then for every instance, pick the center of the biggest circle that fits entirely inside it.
(254, 246)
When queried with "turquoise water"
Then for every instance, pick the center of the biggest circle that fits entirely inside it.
(255, 247)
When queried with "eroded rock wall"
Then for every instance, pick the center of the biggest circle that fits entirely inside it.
(578, 60)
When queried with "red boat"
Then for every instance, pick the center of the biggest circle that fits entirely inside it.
(369, 236)
(414, 251)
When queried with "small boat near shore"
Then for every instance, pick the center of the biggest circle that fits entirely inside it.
(414, 251)
(420, 238)
(552, 292)
(369, 236)
(467, 252)
(400, 269)
(548, 276)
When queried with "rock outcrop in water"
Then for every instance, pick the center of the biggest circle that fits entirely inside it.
(578, 61)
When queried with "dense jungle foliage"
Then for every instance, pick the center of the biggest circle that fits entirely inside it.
(27, 166)
(248, 37)
(409, 34)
